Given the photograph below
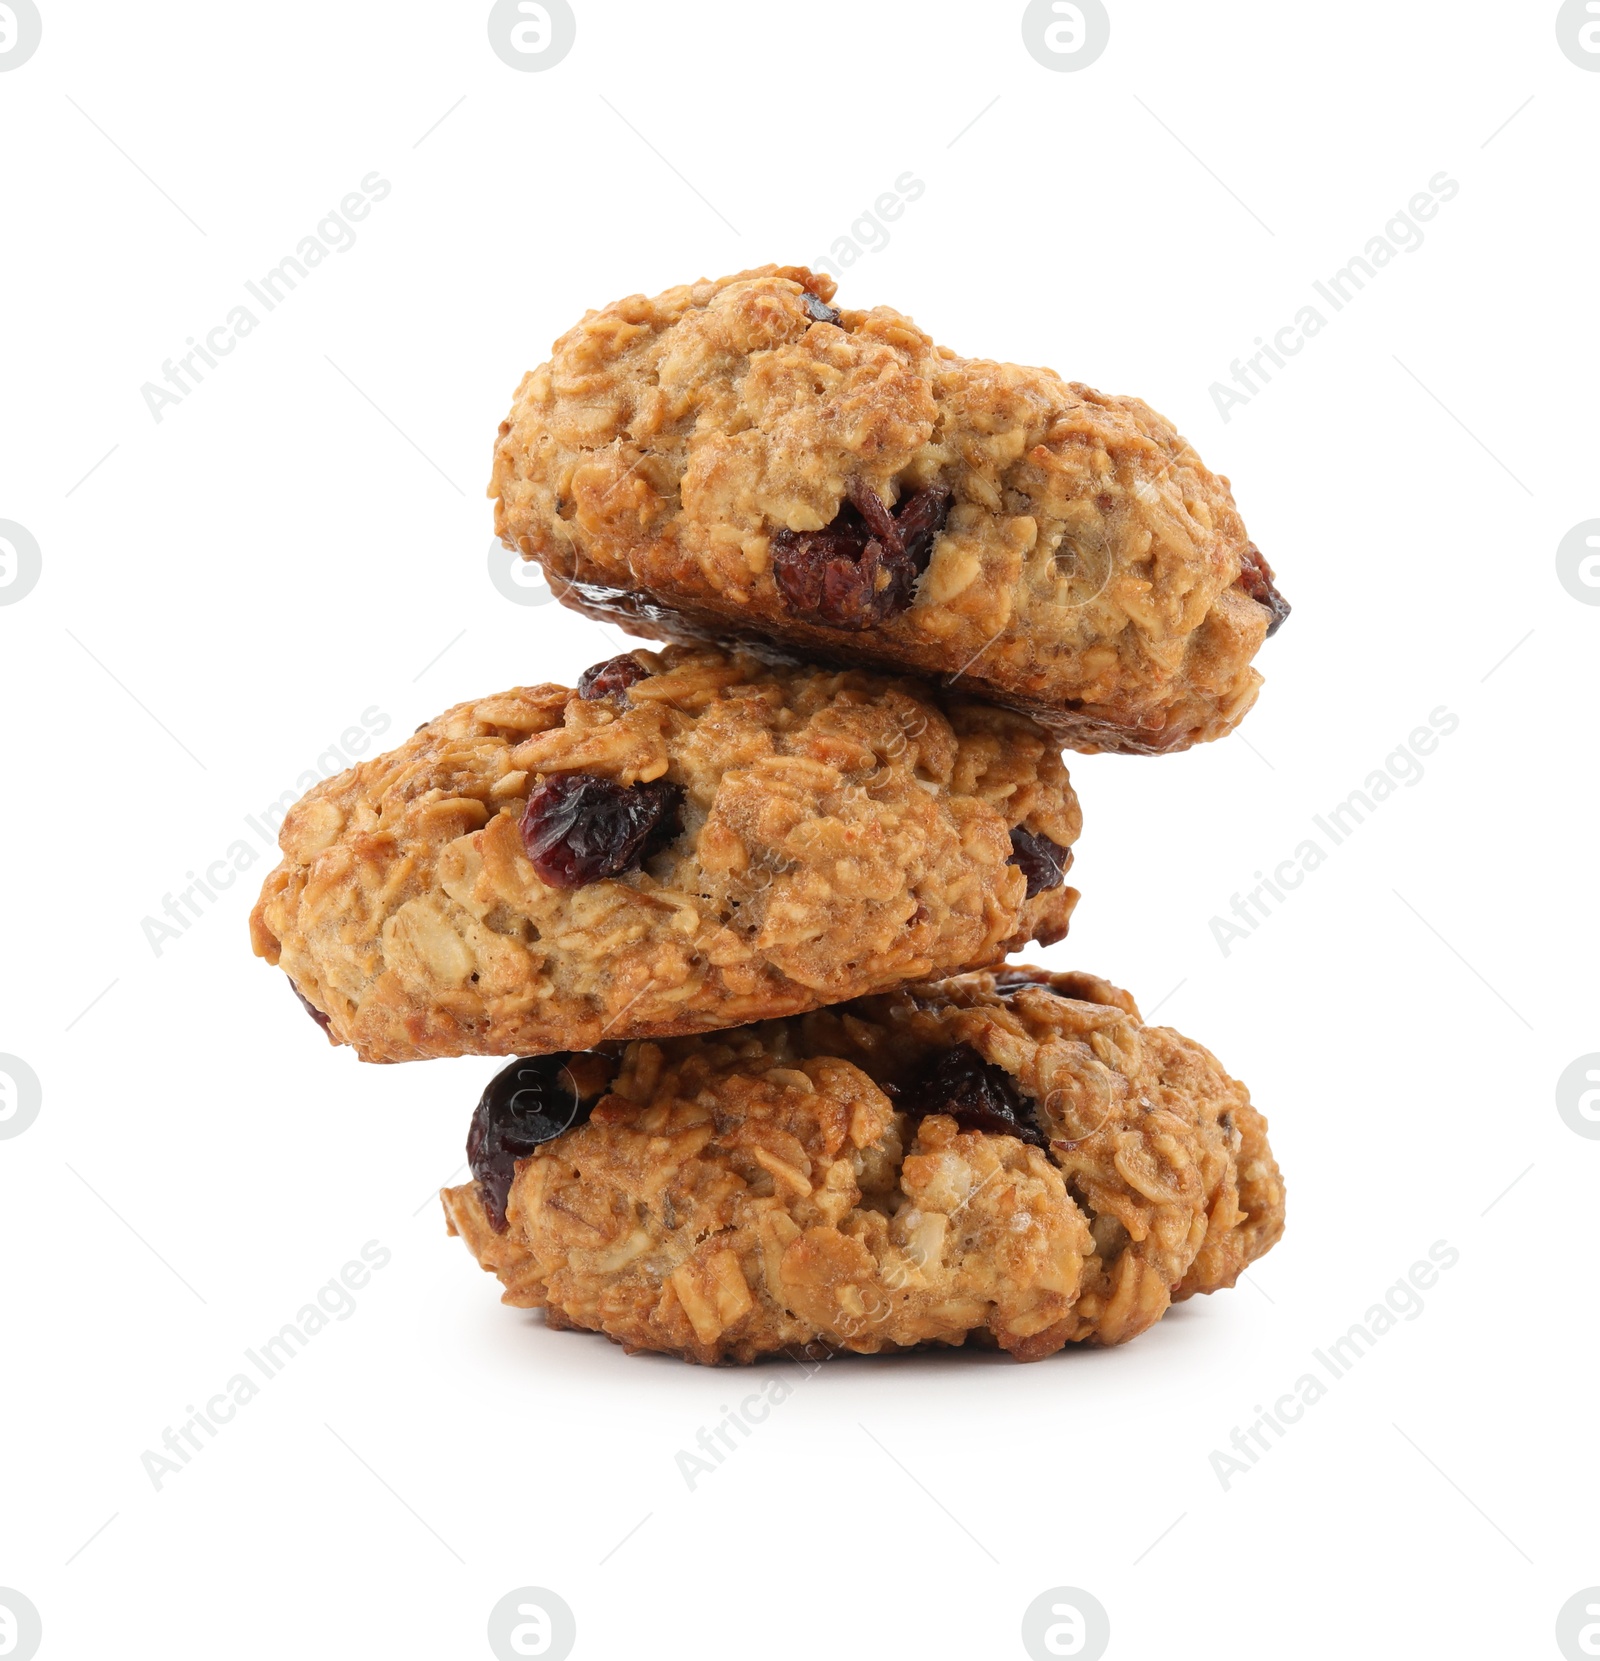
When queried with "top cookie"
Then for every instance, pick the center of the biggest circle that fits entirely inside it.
(739, 457)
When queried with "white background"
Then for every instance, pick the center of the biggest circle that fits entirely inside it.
(231, 587)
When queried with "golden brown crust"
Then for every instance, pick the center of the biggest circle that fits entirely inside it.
(761, 1190)
(842, 832)
(1089, 571)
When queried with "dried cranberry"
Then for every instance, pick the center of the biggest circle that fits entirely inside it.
(578, 828)
(1255, 578)
(818, 309)
(975, 1093)
(862, 567)
(532, 1101)
(1043, 862)
(311, 1009)
(611, 678)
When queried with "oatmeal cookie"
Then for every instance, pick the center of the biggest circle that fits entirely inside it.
(1012, 1160)
(689, 840)
(741, 457)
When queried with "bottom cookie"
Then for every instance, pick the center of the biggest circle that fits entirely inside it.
(1008, 1159)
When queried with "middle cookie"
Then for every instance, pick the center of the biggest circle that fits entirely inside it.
(690, 840)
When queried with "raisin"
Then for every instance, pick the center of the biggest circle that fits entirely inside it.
(920, 519)
(975, 1093)
(862, 567)
(876, 513)
(1043, 862)
(1013, 980)
(1255, 578)
(837, 577)
(311, 1009)
(818, 309)
(611, 678)
(531, 1102)
(579, 828)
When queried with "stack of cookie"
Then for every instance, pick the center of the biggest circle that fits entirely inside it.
(740, 906)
